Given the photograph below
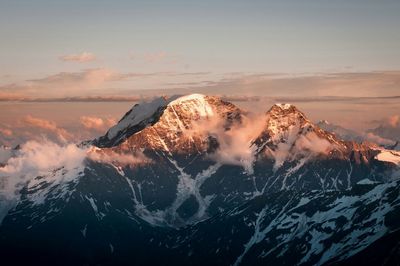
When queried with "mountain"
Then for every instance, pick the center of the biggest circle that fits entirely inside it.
(341, 132)
(377, 135)
(391, 132)
(196, 180)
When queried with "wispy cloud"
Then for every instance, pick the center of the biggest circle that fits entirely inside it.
(103, 83)
(117, 158)
(155, 57)
(367, 84)
(97, 123)
(80, 58)
(394, 121)
(388, 128)
(49, 126)
(87, 77)
(6, 132)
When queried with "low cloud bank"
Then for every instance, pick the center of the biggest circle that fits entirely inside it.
(35, 159)
(56, 164)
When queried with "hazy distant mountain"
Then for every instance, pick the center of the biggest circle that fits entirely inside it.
(341, 132)
(195, 180)
(386, 131)
(383, 135)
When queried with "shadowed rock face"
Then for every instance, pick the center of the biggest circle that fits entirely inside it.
(216, 186)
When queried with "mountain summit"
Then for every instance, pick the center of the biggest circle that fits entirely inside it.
(170, 116)
(196, 180)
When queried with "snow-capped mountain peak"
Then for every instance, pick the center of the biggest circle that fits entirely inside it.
(167, 118)
(194, 103)
(282, 118)
(283, 106)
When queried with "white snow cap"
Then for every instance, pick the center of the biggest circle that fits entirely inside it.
(137, 114)
(284, 106)
(146, 110)
(194, 96)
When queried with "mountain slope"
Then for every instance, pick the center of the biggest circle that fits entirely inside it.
(185, 177)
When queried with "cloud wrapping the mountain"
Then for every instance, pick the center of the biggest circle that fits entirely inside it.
(296, 147)
(388, 130)
(377, 139)
(235, 143)
(42, 158)
(116, 158)
(311, 142)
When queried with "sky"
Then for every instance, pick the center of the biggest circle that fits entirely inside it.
(122, 52)
(288, 36)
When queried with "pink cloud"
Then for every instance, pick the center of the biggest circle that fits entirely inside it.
(394, 121)
(6, 132)
(81, 58)
(117, 158)
(97, 123)
(50, 126)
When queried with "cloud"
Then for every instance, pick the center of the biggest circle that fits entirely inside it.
(5, 154)
(6, 132)
(119, 159)
(155, 57)
(388, 129)
(38, 159)
(83, 83)
(234, 143)
(365, 84)
(49, 126)
(301, 88)
(81, 58)
(369, 136)
(394, 121)
(312, 143)
(301, 147)
(97, 123)
(86, 77)
(55, 164)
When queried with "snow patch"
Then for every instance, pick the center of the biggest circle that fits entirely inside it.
(389, 156)
(284, 106)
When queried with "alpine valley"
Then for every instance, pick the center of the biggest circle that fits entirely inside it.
(195, 180)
